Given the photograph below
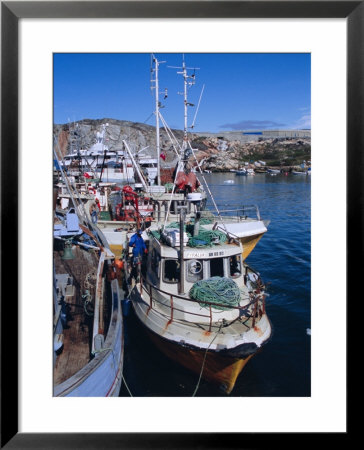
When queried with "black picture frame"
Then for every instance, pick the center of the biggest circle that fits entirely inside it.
(11, 12)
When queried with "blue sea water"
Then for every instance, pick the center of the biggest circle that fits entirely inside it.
(283, 259)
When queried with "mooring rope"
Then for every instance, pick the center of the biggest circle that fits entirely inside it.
(127, 387)
(204, 360)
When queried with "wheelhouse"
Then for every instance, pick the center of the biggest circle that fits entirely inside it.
(164, 264)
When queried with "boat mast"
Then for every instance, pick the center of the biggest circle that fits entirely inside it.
(157, 106)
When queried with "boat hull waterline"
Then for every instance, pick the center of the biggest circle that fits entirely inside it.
(222, 371)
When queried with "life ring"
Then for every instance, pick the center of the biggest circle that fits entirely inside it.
(194, 266)
(92, 190)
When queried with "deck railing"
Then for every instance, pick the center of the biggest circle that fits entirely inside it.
(256, 297)
(241, 212)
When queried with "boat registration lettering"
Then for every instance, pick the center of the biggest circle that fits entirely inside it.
(195, 255)
(203, 254)
(216, 253)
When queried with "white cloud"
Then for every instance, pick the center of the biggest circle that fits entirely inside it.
(303, 122)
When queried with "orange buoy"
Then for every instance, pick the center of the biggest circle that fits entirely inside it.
(119, 263)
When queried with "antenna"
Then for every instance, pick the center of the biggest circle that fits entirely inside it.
(188, 82)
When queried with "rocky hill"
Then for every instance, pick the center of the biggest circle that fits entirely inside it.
(275, 152)
(212, 153)
(138, 136)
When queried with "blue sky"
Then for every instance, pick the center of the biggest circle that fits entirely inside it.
(241, 91)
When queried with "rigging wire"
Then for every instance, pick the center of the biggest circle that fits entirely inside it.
(198, 106)
(207, 187)
(170, 134)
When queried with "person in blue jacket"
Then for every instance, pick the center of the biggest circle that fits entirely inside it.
(139, 248)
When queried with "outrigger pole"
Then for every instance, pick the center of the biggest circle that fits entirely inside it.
(136, 166)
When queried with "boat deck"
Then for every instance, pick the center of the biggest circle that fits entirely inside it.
(77, 334)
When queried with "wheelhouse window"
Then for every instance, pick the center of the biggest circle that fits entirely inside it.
(235, 266)
(155, 262)
(217, 267)
(171, 272)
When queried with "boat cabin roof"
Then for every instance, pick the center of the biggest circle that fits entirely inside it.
(165, 196)
(208, 252)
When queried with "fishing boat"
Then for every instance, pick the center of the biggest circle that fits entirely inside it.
(244, 222)
(199, 302)
(113, 166)
(242, 171)
(88, 341)
(273, 171)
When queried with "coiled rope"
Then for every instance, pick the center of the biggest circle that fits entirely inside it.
(218, 290)
(207, 238)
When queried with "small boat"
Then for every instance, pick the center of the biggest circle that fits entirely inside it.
(229, 182)
(200, 303)
(88, 339)
(242, 171)
(297, 172)
(273, 171)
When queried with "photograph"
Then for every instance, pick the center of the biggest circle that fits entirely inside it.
(182, 224)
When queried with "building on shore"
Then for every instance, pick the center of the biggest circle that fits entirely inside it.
(256, 135)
